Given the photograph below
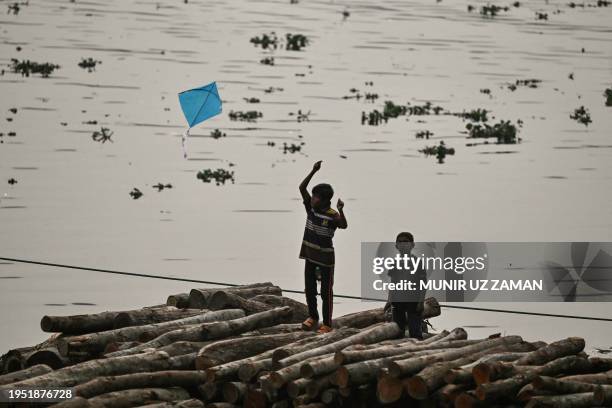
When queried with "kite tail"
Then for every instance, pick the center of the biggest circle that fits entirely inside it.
(184, 142)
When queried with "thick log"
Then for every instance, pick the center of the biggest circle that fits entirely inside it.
(120, 346)
(510, 386)
(585, 399)
(489, 371)
(83, 372)
(255, 398)
(320, 340)
(180, 300)
(210, 391)
(468, 400)
(372, 335)
(318, 367)
(431, 378)
(279, 328)
(351, 356)
(85, 323)
(16, 359)
(449, 392)
(552, 351)
(49, 356)
(190, 403)
(291, 372)
(329, 396)
(135, 397)
(459, 376)
(598, 378)
(367, 318)
(225, 351)
(199, 298)
(401, 368)
(222, 405)
(317, 385)
(220, 300)
(559, 386)
(146, 316)
(234, 392)
(300, 310)
(219, 330)
(95, 343)
(297, 387)
(603, 395)
(243, 368)
(159, 379)
(30, 372)
(363, 372)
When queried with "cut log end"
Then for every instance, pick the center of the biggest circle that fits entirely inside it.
(342, 376)
(389, 389)
(417, 388)
(481, 373)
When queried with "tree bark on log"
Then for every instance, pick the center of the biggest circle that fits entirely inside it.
(48, 356)
(250, 370)
(353, 356)
(318, 367)
(367, 318)
(180, 300)
(300, 310)
(559, 386)
(135, 397)
(599, 378)
(219, 330)
(159, 379)
(297, 387)
(146, 316)
(603, 395)
(220, 300)
(565, 347)
(585, 399)
(199, 298)
(459, 376)
(373, 335)
(401, 368)
(316, 385)
(210, 391)
(234, 392)
(510, 386)
(225, 351)
(291, 372)
(83, 372)
(431, 378)
(363, 372)
(95, 343)
(26, 373)
(319, 340)
(190, 403)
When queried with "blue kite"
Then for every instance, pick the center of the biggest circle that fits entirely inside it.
(199, 104)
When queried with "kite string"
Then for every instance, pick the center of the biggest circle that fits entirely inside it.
(184, 142)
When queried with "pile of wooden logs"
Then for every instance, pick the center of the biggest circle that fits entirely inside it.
(243, 346)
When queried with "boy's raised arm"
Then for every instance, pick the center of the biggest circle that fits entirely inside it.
(304, 183)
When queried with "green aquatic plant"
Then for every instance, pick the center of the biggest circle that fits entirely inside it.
(440, 151)
(220, 176)
(391, 110)
(608, 95)
(424, 134)
(272, 89)
(103, 135)
(267, 61)
(505, 132)
(295, 42)
(160, 186)
(301, 116)
(475, 115)
(292, 148)
(251, 100)
(27, 67)
(541, 16)
(491, 10)
(13, 8)
(136, 193)
(247, 116)
(89, 64)
(216, 134)
(266, 41)
(581, 115)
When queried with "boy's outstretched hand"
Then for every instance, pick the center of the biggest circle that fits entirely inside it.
(317, 166)
(340, 204)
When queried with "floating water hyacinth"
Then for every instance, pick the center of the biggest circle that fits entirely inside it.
(505, 132)
(581, 115)
(439, 151)
(475, 115)
(220, 176)
(136, 193)
(266, 41)
(424, 134)
(216, 134)
(160, 186)
(608, 95)
(103, 135)
(27, 67)
(248, 116)
(89, 64)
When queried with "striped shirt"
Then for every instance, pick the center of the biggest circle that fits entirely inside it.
(317, 246)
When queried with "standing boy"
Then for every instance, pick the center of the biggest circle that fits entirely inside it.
(407, 312)
(318, 249)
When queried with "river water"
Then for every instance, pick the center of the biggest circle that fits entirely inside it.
(71, 202)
